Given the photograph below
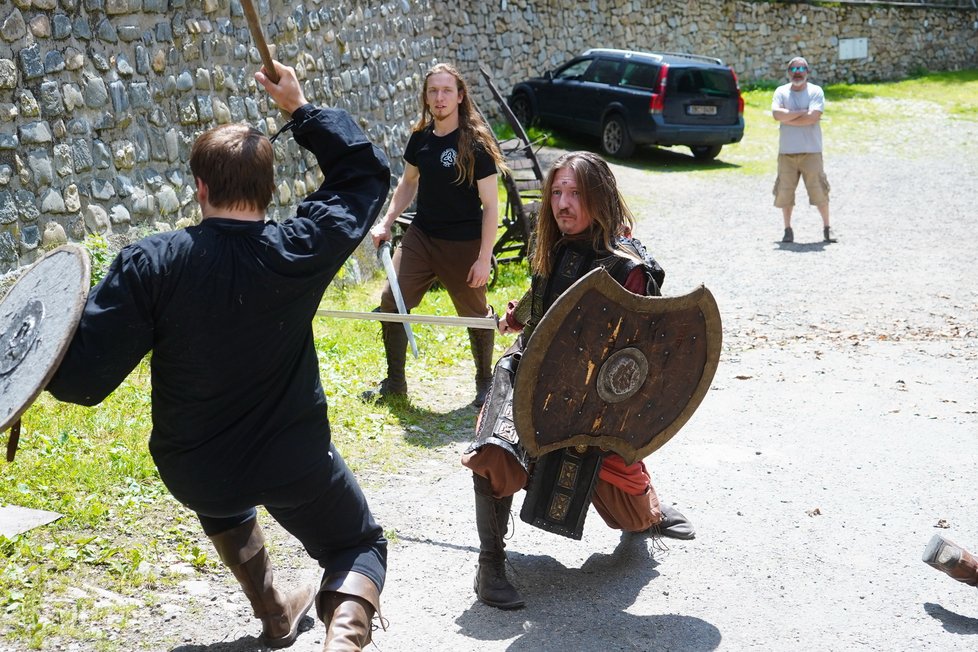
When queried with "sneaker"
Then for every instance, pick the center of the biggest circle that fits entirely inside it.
(828, 235)
(789, 235)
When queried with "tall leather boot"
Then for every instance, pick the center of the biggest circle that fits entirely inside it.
(492, 519)
(395, 348)
(952, 559)
(482, 340)
(242, 549)
(346, 604)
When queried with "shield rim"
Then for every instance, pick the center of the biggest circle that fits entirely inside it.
(599, 279)
(82, 254)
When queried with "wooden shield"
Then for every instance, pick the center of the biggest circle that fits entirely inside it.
(38, 318)
(609, 368)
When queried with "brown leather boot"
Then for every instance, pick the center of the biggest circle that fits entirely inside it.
(481, 340)
(492, 519)
(242, 549)
(346, 604)
(395, 349)
(952, 559)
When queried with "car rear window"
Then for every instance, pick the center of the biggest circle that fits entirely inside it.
(640, 75)
(698, 81)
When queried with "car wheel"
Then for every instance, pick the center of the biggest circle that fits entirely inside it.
(522, 110)
(615, 140)
(705, 152)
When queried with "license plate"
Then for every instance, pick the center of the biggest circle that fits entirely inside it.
(701, 109)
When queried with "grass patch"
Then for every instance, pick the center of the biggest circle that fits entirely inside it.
(854, 114)
(384, 436)
(123, 533)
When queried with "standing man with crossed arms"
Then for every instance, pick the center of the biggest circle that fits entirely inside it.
(798, 106)
(450, 164)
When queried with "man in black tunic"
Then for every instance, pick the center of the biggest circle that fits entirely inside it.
(239, 414)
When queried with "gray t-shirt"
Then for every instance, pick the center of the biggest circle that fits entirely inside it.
(806, 139)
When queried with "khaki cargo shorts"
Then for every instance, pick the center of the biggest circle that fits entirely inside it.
(808, 167)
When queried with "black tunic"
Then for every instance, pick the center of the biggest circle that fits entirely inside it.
(226, 308)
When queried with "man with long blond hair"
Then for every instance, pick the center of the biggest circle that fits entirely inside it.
(583, 224)
(239, 412)
(450, 165)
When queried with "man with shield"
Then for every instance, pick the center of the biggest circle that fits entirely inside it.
(584, 226)
(239, 412)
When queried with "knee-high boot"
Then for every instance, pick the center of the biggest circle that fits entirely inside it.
(492, 519)
(482, 340)
(346, 604)
(952, 559)
(395, 349)
(242, 549)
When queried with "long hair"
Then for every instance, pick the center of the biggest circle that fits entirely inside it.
(472, 127)
(600, 197)
(236, 163)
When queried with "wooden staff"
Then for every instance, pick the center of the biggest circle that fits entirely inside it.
(259, 38)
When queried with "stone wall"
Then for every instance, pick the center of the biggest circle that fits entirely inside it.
(516, 39)
(100, 100)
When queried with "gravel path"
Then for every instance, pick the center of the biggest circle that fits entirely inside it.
(839, 431)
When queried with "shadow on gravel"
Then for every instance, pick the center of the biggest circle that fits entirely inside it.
(661, 159)
(243, 644)
(584, 609)
(803, 247)
(952, 622)
(429, 428)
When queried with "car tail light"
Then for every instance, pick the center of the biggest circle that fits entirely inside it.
(658, 100)
(740, 98)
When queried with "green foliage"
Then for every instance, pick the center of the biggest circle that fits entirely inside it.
(100, 254)
(537, 136)
(853, 114)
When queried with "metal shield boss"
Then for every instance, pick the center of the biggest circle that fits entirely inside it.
(612, 369)
(38, 318)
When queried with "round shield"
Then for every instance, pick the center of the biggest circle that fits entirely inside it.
(615, 370)
(38, 318)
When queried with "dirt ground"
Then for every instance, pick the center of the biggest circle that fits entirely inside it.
(839, 432)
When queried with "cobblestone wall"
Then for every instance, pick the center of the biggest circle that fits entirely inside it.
(100, 100)
(520, 38)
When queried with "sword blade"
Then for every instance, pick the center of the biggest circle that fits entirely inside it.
(385, 255)
(441, 320)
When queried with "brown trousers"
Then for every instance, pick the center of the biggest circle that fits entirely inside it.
(420, 261)
(619, 509)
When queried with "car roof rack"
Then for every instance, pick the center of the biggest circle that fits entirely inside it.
(655, 55)
(697, 57)
(624, 53)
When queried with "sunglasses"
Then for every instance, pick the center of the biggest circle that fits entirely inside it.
(798, 69)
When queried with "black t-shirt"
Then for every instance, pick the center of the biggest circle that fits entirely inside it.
(446, 209)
